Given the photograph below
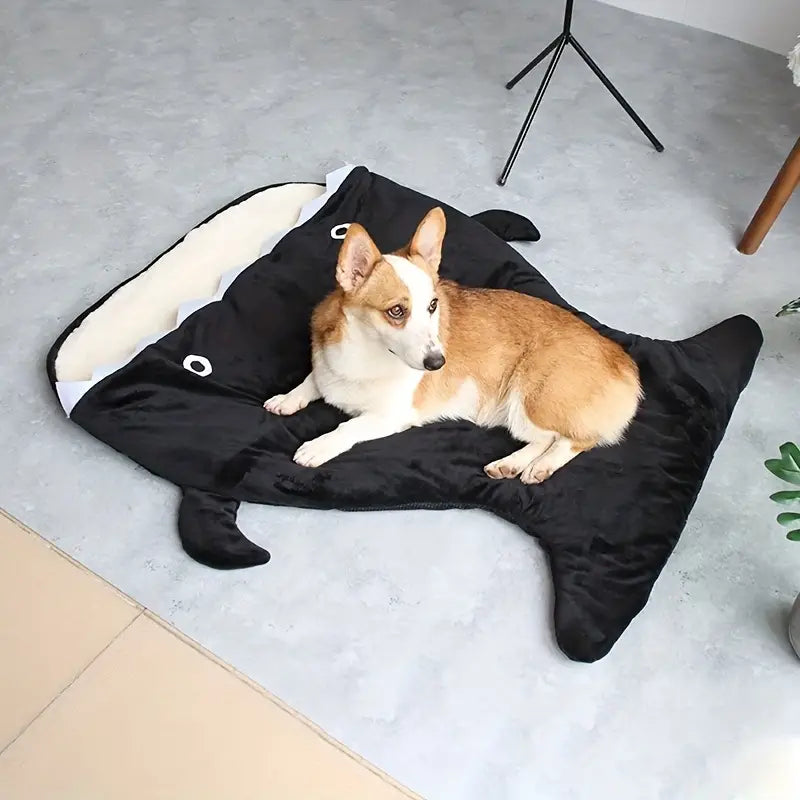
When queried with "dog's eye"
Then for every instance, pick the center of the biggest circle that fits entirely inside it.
(434, 303)
(396, 312)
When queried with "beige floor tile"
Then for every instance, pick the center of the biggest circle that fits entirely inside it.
(54, 619)
(154, 718)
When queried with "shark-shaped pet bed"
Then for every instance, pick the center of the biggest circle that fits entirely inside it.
(184, 397)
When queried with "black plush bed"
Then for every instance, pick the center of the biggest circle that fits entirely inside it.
(182, 394)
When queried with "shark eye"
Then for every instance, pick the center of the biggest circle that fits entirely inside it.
(396, 312)
(200, 365)
(434, 305)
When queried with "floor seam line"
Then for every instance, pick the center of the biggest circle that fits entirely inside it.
(69, 559)
(280, 704)
(72, 682)
(207, 654)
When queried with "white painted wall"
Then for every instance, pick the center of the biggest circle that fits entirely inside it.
(772, 24)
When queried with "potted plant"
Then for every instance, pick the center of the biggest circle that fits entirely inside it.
(794, 63)
(787, 468)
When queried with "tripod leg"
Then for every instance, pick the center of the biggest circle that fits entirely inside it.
(531, 65)
(551, 67)
(619, 98)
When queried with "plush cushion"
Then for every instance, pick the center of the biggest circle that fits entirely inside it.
(188, 407)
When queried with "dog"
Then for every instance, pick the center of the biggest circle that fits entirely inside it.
(396, 347)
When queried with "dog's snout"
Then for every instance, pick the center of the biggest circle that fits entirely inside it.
(433, 361)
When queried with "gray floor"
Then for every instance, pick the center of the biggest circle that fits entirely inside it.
(422, 640)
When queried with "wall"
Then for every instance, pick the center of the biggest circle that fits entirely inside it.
(772, 24)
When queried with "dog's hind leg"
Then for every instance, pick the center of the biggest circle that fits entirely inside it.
(514, 463)
(561, 452)
(298, 398)
(519, 424)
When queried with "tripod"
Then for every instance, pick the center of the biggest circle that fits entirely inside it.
(558, 44)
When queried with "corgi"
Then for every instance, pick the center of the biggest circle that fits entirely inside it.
(395, 347)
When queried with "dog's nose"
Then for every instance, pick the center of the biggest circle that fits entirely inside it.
(433, 361)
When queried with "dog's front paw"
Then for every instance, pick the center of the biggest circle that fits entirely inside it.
(318, 451)
(285, 404)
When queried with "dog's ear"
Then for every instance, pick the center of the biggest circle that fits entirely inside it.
(427, 241)
(357, 256)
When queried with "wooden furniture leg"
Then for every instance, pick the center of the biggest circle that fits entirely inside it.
(781, 190)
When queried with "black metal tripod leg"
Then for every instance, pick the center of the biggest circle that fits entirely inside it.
(551, 68)
(619, 98)
(531, 65)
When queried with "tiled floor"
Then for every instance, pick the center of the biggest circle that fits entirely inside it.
(99, 699)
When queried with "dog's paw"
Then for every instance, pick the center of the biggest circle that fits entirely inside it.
(503, 468)
(318, 451)
(285, 404)
(536, 474)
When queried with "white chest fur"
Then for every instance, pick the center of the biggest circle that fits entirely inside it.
(359, 375)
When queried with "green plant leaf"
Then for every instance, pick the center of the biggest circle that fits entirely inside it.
(786, 498)
(788, 518)
(778, 468)
(789, 450)
(793, 536)
(790, 308)
(787, 467)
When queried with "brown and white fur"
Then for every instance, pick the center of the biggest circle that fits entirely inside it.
(396, 347)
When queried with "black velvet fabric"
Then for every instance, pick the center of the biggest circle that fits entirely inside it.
(510, 227)
(608, 520)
